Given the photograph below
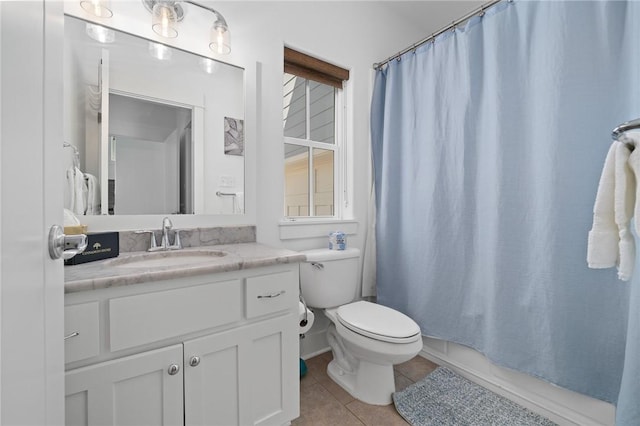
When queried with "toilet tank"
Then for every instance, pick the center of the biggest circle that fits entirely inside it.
(329, 278)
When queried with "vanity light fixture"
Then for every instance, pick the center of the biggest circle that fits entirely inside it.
(164, 19)
(98, 8)
(100, 33)
(208, 65)
(167, 13)
(159, 51)
(220, 37)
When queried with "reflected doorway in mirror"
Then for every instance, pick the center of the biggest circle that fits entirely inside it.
(233, 136)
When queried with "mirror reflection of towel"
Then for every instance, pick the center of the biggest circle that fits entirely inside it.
(93, 194)
(238, 203)
(77, 191)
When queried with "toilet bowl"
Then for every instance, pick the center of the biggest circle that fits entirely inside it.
(366, 339)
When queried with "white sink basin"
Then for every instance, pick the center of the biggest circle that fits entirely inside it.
(161, 259)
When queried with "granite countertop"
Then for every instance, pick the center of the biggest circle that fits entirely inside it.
(116, 272)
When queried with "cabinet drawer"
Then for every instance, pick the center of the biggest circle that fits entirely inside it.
(82, 319)
(151, 317)
(271, 293)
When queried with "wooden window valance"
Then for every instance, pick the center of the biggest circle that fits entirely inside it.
(314, 69)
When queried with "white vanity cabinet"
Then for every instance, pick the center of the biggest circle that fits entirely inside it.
(217, 349)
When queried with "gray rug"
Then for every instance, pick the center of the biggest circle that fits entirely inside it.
(445, 398)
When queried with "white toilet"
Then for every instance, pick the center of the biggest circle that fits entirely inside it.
(367, 339)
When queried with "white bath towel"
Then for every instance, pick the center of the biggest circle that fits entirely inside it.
(602, 248)
(77, 191)
(624, 203)
(610, 240)
(238, 203)
(93, 194)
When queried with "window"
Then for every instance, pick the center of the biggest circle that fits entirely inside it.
(312, 122)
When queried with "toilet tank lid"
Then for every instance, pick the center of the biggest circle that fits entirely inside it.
(322, 255)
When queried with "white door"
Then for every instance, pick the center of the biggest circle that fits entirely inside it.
(142, 389)
(31, 284)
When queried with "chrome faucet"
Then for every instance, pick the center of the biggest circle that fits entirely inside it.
(164, 244)
(166, 227)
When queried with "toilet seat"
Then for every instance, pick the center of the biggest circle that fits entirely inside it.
(378, 322)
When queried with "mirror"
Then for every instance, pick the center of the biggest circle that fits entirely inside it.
(149, 129)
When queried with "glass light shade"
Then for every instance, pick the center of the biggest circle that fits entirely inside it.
(99, 8)
(160, 51)
(164, 20)
(208, 65)
(220, 39)
(100, 33)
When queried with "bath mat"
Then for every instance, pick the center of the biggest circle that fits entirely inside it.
(445, 398)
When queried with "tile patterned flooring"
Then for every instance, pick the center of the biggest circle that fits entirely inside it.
(323, 402)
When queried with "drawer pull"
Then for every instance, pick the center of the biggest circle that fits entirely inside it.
(272, 295)
(74, 334)
(194, 361)
(173, 369)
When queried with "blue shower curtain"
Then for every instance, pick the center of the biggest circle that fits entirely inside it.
(488, 146)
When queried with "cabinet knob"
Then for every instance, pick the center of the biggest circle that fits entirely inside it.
(194, 361)
(173, 369)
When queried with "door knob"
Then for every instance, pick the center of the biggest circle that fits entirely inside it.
(173, 369)
(194, 361)
(65, 246)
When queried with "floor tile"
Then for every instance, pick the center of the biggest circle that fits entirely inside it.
(307, 380)
(416, 368)
(317, 367)
(336, 390)
(319, 407)
(402, 381)
(375, 415)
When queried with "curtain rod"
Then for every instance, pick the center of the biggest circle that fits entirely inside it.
(479, 11)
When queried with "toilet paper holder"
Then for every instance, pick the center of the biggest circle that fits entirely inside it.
(304, 318)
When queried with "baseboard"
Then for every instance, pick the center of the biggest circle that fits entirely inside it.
(560, 405)
(313, 344)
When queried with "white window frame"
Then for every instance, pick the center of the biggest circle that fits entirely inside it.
(340, 194)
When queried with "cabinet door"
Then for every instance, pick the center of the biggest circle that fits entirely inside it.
(246, 376)
(135, 390)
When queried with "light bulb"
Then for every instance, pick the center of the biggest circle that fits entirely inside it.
(96, 7)
(220, 39)
(164, 20)
(165, 23)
